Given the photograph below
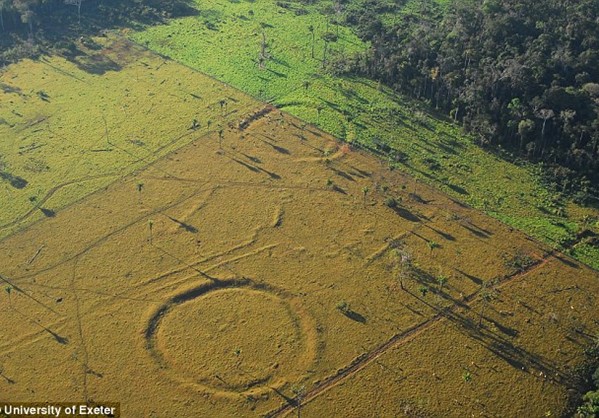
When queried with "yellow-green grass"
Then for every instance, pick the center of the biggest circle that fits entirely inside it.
(504, 361)
(224, 40)
(263, 265)
(183, 251)
(71, 127)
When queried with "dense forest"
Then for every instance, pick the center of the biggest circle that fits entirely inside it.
(522, 76)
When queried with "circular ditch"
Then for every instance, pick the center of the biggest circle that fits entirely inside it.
(232, 337)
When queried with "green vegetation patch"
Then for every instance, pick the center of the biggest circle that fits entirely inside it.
(72, 126)
(225, 40)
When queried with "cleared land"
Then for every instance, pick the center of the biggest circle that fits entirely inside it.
(259, 262)
(224, 40)
(70, 127)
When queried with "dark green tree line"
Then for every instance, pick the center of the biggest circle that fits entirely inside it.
(521, 75)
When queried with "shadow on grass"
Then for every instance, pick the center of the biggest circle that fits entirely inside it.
(59, 28)
(355, 316)
(500, 339)
(15, 181)
(567, 262)
(185, 226)
(406, 214)
(48, 213)
(476, 232)
(338, 189)
(442, 234)
(96, 64)
(255, 169)
(458, 189)
(474, 279)
(342, 173)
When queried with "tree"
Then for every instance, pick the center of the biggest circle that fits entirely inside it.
(311, 29)
(441, 281)
(150, 227)
(264, 55)
(525, 127)
(432, 245)
(299, 392)
(343, 307)
(25, 10)
(221, 136)
(4, 4)
(590, 408)
(495, 67)
(544, 114)
(223, 105)
(78, 4)
(337, 8)
(365, 191)
(402, 263)
(487, 294)
(319, 109)
(327, 37)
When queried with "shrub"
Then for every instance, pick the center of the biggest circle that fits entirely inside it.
(442, 281)
(519, 261)
(391, 202)
(590, 407)
(343, 307)
(433, 244)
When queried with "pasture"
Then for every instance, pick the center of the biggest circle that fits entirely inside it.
(256, 266)
(297, 73)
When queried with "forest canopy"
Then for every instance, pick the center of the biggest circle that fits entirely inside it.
(521, 75)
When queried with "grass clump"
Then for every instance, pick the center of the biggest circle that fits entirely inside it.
(391, 202)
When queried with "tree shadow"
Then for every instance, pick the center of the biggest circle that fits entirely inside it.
(505, 349)
(59, 339)
(246, 165)
(187, 227)
(8, 379)
(255, 169)
(48, 213)
(418, 199)
(97, 64)
(444, 235)
(355, 316)
(476, 232)
(15, 181)
(277, 73)
(458, 189)
(253, 159)
(279, 149)
(567, 262)
(341, 173)
(406, 214)
(338, 189)
(359, 172)
(474, 279)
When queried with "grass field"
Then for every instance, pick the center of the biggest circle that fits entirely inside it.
(225, 40)
(261, 269)
(70, 127)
